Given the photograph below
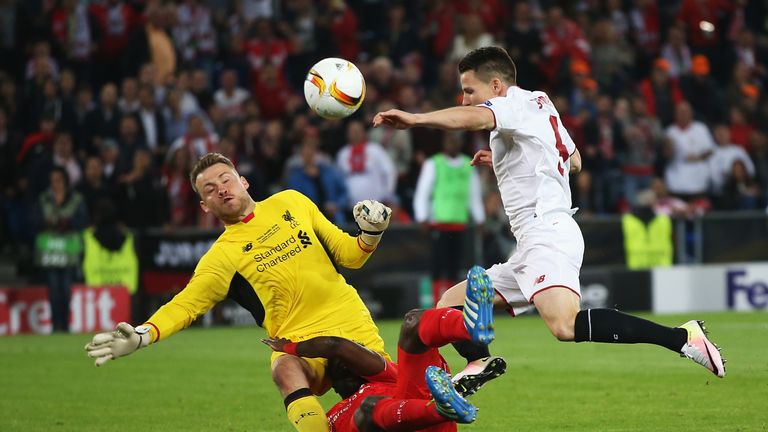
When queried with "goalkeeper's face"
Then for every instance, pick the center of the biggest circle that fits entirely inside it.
(223, 192)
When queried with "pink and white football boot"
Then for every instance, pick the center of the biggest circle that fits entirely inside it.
(701, 350)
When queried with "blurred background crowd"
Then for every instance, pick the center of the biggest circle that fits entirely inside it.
(106, 104)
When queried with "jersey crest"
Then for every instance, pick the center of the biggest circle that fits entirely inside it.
(290, 219)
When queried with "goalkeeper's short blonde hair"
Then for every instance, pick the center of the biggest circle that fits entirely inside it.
(206, 162)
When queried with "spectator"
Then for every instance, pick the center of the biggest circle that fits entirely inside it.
(472, 35)
(42, 64)
(181, 199)
(197, 140)
(611, 57)
(129, 101)
(661, 92)
(114, 21)
(677, 54)
(64, 157)
(318, 179)
(199, 88)
(265, 48)
(151, 122)
(93, 186)
(647, 234)
(437, 28)
(229, 98)
(723, 158)
(646, 27)
(130, 139)
(113, 165)
(341, 23)
(83, 107)
(367, 168)
(71, 29)
(644, 137)
(746, 51)
(272, 93)
(563, 42)
(402, 39)
(141, 198)
(152, 44)
(524, 46)
(741, 129)
(193, 34)
(445, 92)
(604, 142)
(687, 174)
(104, 121)
(397, 143)
(174, 117)
(61, 216)
(702, 92)
(741, 191)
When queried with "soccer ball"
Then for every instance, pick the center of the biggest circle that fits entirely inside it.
(334, 88)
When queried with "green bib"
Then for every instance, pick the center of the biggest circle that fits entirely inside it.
(102, 266)
(450, 196)
(647, 246)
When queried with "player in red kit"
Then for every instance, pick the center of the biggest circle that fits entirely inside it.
(415, 393)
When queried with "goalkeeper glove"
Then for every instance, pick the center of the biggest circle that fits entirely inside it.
(372, 218)
(122, 341)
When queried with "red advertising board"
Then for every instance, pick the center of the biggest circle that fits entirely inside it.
(26, 310)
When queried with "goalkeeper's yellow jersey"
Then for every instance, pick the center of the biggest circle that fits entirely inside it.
(278, 263)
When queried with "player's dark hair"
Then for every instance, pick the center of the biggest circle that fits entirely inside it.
(490, 62)
(206, 162)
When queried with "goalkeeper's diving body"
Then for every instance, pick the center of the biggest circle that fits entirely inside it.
(276, 258)
(415, 393)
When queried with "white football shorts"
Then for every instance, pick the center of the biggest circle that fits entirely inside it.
(549, 254)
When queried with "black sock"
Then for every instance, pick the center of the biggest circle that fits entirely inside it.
(610, 325)
(298, 394)
(470, 350)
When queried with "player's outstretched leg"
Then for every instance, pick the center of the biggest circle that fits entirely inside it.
(448, 402)
(701, 350)
(478, 318)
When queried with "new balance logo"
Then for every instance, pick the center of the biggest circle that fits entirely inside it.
(540, 279)
(304, 239)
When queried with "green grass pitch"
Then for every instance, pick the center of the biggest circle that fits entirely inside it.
(218, 380)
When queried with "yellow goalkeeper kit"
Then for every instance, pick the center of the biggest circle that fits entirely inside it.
(279, 263)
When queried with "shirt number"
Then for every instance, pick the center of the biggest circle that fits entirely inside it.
(559, 144)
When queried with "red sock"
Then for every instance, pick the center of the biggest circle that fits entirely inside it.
(406, 414)
(442, 326)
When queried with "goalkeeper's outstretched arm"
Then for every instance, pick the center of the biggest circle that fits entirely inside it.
(359, 359)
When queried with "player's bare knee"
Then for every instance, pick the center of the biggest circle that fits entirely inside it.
(454, 296)
(285, 368)
(562, 330)
(410, 327)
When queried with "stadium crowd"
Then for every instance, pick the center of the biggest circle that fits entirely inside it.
(116, 99)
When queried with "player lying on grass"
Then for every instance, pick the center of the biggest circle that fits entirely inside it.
(276, 258)
(531, 155)
(382, 395)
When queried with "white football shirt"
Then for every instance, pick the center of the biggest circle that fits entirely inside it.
(531, 151)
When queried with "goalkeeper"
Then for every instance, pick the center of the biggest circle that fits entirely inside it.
(276, 258)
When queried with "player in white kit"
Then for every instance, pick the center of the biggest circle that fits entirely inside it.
(532, 154)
